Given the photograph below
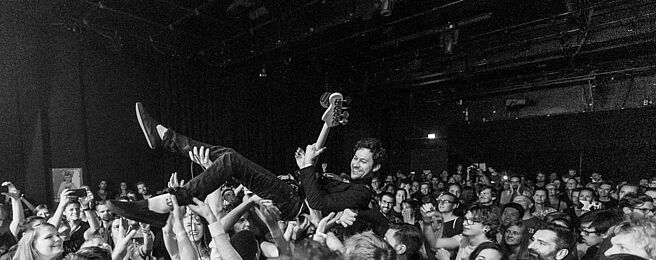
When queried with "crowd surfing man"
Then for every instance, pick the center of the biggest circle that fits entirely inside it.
(223, 163)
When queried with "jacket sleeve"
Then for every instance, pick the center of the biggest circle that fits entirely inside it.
(355, 197)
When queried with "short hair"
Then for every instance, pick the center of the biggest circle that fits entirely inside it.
(367, 245)
(643, 231)
(594, 194)
(388, 195)
(457, 185)
(410, 236)
(493, 190)
(487, 216)
(455, 199)
(632, 200)
(515, 206)
(601, 220)
(565, 239)
(140, 183)
(375, 146)
(39, 208)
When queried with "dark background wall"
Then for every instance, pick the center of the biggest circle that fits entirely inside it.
(68, 103)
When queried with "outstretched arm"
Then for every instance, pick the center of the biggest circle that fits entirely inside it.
(16, 207)
(63, 201)
(220, 238)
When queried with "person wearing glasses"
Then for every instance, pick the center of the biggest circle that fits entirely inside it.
(480, 225)
(446, 203)
(594, 225)
(637, 206)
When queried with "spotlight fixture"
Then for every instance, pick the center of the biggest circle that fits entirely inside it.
(431, 136)
(263, 73)
(386, 7)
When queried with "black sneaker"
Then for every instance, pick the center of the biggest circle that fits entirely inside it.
(137, 211)
(148, 126)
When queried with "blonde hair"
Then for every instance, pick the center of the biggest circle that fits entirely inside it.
(25, 249)
(642, 230)
(367, 245)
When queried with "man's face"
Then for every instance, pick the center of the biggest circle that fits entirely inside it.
(102, 185)
(524, 201)
(362, 164)
(389, 179)
(571, 173)
(124, 185)
(586, 195)
(445, 203)
(242, 224)
(435, 180)
(652, 184)
(540, 177)
(626, 189)
(72, 211)
(626, 243)
(589, 235)
(389, 237)
(596, 177)
(104, 213)
(543, 245)
(540, 197)
(415, 186)
(386, 204)
(455, 190)
(509, 216)
(604, 190)
(644, 183)
(375, 183)
(571, 184)
(142, 189)
(551, 189)
(425, 189)
(485, 196)
(574, 196)
(514, 182)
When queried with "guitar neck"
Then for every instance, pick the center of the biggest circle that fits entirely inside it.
(322, 136)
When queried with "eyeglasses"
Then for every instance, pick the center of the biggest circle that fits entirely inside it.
(444, 201)
(646, 210)
(471, 221)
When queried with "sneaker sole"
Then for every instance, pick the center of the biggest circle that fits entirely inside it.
(138, 107)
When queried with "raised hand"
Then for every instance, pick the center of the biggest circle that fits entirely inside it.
(307, 157)
(12, 191)
(173, 181)
(347, 218)
(122, 242)
(202, 210)
(201, 157)
(408, 216)
(63, 197)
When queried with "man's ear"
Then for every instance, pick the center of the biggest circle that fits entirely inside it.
(561, 254)
(376, 168)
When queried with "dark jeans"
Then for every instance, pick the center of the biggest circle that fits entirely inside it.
(226, 164)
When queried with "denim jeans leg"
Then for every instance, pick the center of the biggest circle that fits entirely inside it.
(226, 164)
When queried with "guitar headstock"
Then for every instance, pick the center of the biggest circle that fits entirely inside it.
(335, 114)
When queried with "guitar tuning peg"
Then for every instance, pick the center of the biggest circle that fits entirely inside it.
(343, 121)
(345, 115)
(346, 101)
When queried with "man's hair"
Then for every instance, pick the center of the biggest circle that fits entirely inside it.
(455, 184)
(375, 146)
(643, 232)
(565, 239)
(140, 183)
(601, 220)
(367, 245)
(632, 200)
(486, 245)
(91, 253)
(410, 236)
(594, 194)
(493, 190)
(388, 195)
(515, 206)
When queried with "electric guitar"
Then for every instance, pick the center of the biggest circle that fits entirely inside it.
(333, 116)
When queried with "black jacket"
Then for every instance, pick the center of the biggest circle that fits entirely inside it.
(328, 195)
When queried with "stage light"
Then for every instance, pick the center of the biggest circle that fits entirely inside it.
(263, 73)
(431, 136)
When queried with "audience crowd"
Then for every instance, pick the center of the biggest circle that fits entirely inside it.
(468, 214)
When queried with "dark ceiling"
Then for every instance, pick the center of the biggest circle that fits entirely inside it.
(441, 49)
